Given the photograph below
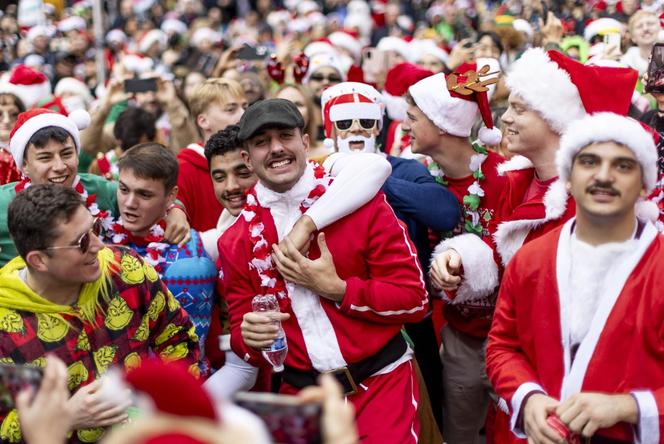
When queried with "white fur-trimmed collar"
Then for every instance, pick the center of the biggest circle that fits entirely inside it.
(510, 235)
(516, 163)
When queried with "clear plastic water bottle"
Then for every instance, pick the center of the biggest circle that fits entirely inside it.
(276, 353)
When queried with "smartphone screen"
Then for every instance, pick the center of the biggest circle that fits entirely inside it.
(15, 377)
(288, 419)
(613, 39)
(248, 52)
(140, 85)
(656, 70)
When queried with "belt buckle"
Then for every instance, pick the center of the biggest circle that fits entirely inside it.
(340, 374)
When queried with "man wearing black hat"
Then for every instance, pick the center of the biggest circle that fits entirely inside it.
(344, 304)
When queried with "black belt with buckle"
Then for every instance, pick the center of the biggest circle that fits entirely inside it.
(350, 376)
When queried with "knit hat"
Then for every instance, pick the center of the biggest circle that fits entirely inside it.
(453, 108)
(349, 100)
(29, 85)
(31, 121)
(562, 90)
(608, 127)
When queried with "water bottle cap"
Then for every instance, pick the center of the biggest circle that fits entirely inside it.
(278, 368)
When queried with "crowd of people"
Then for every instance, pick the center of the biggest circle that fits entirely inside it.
(456, 205)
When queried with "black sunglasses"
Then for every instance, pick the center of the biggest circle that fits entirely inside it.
(320, 77)
(365, 124)
(83, 243)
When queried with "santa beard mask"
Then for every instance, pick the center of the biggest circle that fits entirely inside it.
(343, 145)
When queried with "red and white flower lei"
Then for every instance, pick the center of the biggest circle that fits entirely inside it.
(89, 199)
(155, 245)
(270, 279)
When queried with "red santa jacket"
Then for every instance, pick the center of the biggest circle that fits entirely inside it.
(622, 352)
(195, 189)
(372, 253)
(517, 221)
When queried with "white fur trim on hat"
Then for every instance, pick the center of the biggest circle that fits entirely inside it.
(40, 31)
(395, 44)
(321, 60)
(608, 127)
(546, 88)
(602, 26)
(347, 111)
(76, 121)
(31, 94)
(452, 115)
(203, 34)
(420, 48)
(116, 36)
(153, 36)
(173, 25)
(348, 42)
(72, 23)
(74, 86)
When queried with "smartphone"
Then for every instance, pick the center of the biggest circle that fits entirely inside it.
(656, 69)
(248, 52)
(140, 85)
(288, 419)
(613, 39)
(15, 377)
(374, 64)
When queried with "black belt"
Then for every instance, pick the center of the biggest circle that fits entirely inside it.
(353, 374)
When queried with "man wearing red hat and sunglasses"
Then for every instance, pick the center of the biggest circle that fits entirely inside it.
(91, 306)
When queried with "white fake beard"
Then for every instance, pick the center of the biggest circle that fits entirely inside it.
(73, 103)
(343, 145)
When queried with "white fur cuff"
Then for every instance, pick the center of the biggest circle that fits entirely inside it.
(479, 267)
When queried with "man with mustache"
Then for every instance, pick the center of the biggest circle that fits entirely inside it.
(548, 91)
(355, 184)
(353, 117)
(343, 305)
(576, 345)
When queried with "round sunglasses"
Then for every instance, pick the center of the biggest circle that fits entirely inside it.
(365, 124)
(83, 243)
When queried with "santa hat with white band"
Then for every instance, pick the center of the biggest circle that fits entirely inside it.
(608, 127)
(455, 113)
(29, 122)
(562, 90)
(350, 100)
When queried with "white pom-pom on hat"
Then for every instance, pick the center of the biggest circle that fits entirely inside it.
(490, 136)
(647, 211)
(81, 118)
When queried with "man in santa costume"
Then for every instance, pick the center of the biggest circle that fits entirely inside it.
(576, 346)
(353, 117)
(439, 121)
(548, 91)
(46, 146)
(344, 305)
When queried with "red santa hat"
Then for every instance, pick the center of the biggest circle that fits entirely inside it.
(116, 36)
(349, 100)
(608, 127)
(563, 90)
(396, 44)
(320, 46)
(185, 395)
(397, 81)
(31, 121)
(29, 85)
(456, 113)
